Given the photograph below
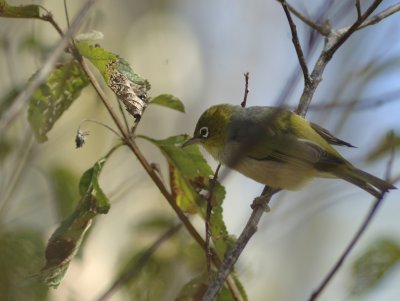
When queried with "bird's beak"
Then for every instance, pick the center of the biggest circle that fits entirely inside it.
(190, 141)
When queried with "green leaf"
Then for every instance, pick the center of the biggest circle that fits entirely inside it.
(23, 11)
(371, 267)
(67, 238)
(189, 181)
(169, 101)
(128, 86)
(52, 98)
(388, 144)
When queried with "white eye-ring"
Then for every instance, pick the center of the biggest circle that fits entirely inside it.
(204, 132)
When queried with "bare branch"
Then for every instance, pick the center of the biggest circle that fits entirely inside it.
(381, 16)
(246, 89)
(373, 210)
(322, 29)
(297, 46)
(335, 39)
(358, 8)
(233, 254)
(348, 32)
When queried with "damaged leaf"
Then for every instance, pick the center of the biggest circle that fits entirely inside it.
(128, 86)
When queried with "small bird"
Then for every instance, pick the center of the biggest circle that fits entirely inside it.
(277, 148)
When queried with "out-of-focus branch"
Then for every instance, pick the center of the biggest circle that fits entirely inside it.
(367, 220)
(134, 270)
(23, 97)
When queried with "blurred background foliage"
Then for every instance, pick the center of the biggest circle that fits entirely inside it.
(198, 51)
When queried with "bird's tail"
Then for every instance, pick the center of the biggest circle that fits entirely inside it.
(364, 180)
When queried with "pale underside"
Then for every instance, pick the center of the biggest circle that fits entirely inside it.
(273, 173)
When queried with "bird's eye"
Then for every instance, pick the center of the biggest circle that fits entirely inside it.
(204, 132)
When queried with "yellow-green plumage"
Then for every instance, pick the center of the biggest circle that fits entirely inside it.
(277, 147)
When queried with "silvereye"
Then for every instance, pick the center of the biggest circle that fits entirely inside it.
(277, 148)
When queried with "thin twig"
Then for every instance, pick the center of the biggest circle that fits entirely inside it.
(381, 16)
(66, 13)
(343, 37)
(358, 9)
(213, 181)
(372, 212)
(101, 124)
(23, 97)
(334, 41)
(133, 271)
(246, 89)
(296, 43)
(322, 29)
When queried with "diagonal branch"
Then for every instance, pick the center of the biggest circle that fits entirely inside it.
(361, 230)
(133, 270)
(41, 75)
(297, 46)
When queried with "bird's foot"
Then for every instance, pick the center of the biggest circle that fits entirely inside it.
(261, 201)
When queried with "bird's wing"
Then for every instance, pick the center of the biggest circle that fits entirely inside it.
(324, 133)
(290, 149)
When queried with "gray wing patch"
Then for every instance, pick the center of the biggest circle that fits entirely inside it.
(328, 136)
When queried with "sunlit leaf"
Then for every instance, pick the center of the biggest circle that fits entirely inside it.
(169, 101)
(51, 99)
(391, 142)
(190, 181)
(371, 267)
(22, 11)
(67, 238)
(128, 86)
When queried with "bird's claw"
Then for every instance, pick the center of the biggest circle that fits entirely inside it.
(261, 201)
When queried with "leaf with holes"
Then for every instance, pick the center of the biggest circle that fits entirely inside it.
(128, 86)
(54, 97)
